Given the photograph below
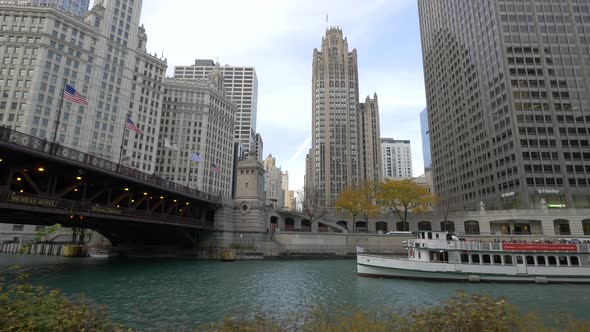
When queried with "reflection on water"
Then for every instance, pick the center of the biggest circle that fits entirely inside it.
(165, 294)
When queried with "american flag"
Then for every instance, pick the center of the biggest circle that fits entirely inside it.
(74, 96)
(215, 168)
(131, 126)
(195, 158)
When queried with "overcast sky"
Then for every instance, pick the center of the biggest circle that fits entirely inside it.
(277, 37)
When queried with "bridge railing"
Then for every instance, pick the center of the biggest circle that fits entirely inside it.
(75, 207)
(42, 145)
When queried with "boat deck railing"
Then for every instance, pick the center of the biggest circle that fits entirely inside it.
(501, 246)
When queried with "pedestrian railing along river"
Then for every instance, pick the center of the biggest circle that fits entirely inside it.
(42, 145)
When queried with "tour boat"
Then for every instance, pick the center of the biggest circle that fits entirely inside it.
(442, 256)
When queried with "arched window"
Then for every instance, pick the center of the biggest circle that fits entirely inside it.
(289, 224)
(305, 225)
(472, 227)
(343, 224)
(447, 226)
(402, 226)
(381, 226)
(361, 227)
(424, 226)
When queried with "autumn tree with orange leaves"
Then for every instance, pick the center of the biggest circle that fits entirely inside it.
(358, 200)
(403, 197)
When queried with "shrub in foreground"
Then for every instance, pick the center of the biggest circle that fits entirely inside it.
(26, 307)
(461, 314)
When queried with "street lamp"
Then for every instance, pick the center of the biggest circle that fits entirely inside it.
(41, 169)
(126, 189)
(79, 178)
(18, 179)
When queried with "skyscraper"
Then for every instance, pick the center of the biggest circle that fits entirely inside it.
(76, 7)
(346, 147)
(370, 139)
(508, 101)
(397, 158)
(335, 136)
(241, 85)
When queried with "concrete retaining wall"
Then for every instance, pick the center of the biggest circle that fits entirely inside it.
(340, 243)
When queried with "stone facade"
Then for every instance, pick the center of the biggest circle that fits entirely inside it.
(241, 84)
(198, 122)
(370, 146)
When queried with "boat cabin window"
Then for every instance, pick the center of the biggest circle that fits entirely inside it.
(475, 258)
(519, 260)
(497, 259)
(562, 260)
(541, 260)
(464, 258)
(507, 260)
(574, 261)
(552, 260)
(486, 259)
(530, 260)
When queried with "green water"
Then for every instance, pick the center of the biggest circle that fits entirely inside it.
(177, 294)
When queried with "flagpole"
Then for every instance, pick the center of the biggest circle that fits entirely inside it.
(192, 177)
(61, 102)
(123, 137)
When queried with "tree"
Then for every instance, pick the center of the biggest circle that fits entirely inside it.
(403, 197)
(368, 193)
(350, 201)
(311, 202)
(358, 200)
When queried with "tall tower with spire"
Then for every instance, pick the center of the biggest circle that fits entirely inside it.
(335, 151)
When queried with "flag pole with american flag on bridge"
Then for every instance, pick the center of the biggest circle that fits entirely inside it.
(129, 125)
(69, 93)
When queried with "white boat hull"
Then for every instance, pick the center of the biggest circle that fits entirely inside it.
(389, 267)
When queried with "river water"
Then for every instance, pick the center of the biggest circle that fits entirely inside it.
(177, 294)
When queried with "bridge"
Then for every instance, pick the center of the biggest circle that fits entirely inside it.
(44, 183)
